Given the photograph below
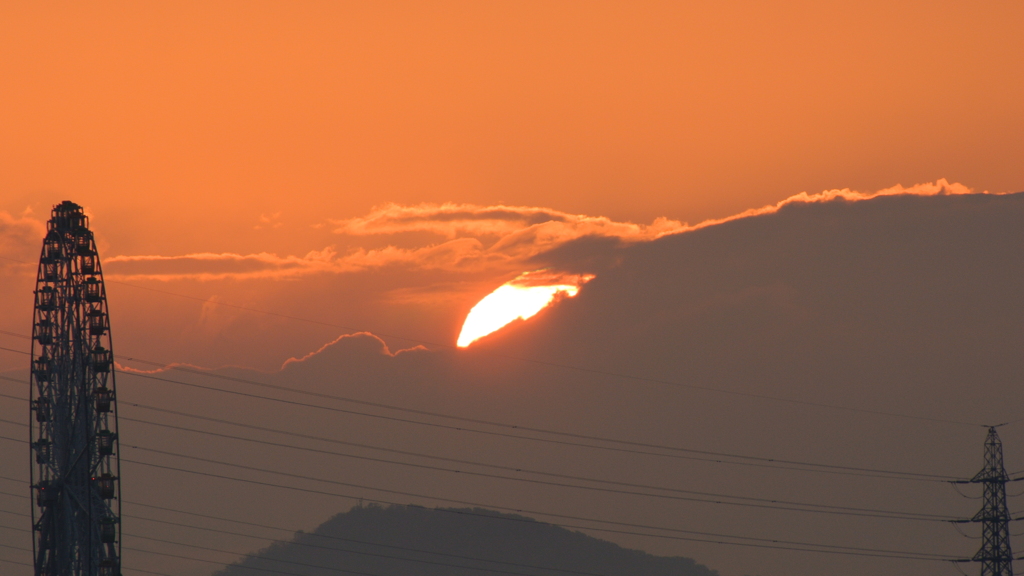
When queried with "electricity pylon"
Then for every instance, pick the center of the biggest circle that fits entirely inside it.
(995, 555)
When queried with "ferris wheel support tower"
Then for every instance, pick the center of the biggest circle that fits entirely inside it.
(76, 513)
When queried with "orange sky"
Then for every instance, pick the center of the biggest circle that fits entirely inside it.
(265, 134)
(179, 125)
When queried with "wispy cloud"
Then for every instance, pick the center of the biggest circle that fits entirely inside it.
(938, 188)
(219, 266)
(477, 238)
(21, 238)
(472, 239)
(368, 340)
(453, 220)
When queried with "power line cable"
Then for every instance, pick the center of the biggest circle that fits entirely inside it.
(824, 468)
(179, 455)
(773, 540)
(872, 554)
(770, 398)
(187, 456)
(919, 555)
(775, 462)
(864, 551)
(541, 430)
(475, 504)
(356, 552)
(848, 551)
(187, 557)
(457, 471)
(353, 541)
(192, 526)
(349, 540)
(521, 511)
(882, 474)
(401, 452)
(774, 503)
(822, 508)
(574, 368)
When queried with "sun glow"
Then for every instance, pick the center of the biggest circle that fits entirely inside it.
(521, 298)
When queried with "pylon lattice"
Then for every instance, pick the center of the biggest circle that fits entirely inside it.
(995, 554)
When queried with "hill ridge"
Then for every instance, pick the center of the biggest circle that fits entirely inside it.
(410, 540)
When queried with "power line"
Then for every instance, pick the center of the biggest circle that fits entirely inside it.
(515, 564)
(431, 552)
(306, 545)
(841, 549)
(467, 472)
(571, 367)
(186, 557)
(867, 553)
(418, 561)
(774, 503)
(429, 497)
(872, 552)
(428, 467)
(541, 430)
(515, 510)
(272, 471)
(435, 468)
(882, 474)
(147, 571)
(761, 462)
(547, 432)
(775, 462)
(16, 563)
(350, 540)
(269, 570)
(371, 488)
(844, 470)
(850, 550)
(710, 498)
(761, 502)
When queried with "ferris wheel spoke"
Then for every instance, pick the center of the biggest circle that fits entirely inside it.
(76, 514)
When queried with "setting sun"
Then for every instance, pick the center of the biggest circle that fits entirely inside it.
(523, 297)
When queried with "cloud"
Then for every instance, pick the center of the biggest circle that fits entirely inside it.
(940, 187)
(219, 266)
(367, 343)
(549, 278)
(456, 255)
(478, 238)
(269, 222)
(452, 220)
(21, 238)
(499, 239)
(166, 368)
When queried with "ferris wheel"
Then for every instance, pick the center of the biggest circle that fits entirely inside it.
(76, 515)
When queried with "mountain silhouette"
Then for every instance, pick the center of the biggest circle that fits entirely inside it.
(415, 541)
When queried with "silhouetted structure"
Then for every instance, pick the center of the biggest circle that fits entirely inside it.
(995, 554)
(73, 432)
(417, 541)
